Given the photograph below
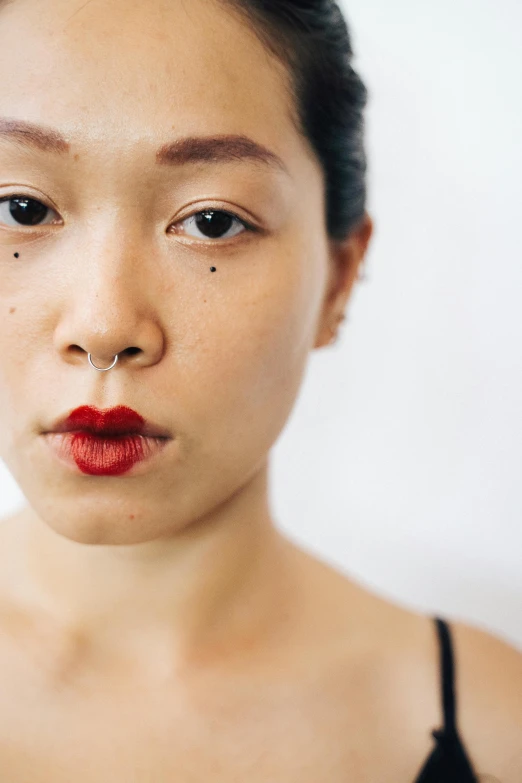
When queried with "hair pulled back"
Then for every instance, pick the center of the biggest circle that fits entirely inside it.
(311, 37)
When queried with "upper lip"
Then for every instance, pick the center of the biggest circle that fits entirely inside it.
(120, 420)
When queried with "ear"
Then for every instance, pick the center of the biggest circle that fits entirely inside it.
(345, 259)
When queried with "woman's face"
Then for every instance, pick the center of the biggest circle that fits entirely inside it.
(117, 257)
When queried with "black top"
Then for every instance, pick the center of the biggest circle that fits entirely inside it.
(448, 762)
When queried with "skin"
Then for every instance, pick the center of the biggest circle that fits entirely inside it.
(158, 626)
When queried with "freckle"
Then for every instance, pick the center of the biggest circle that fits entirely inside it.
(17, 255)
(12, 309)
(212, 268)
(76, 157)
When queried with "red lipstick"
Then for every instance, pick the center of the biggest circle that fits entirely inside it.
(106, 443)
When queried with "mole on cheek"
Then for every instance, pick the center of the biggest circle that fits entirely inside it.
(213, 269)
(12, 309)
(17, 255)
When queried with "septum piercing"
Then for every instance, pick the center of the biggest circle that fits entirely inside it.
(102, 369)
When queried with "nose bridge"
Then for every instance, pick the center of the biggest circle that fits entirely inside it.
(109, 306)
(110, 277)
(114, 237)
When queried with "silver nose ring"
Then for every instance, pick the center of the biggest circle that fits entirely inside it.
(102, 369)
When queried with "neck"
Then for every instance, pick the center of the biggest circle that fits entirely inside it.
(214, 584)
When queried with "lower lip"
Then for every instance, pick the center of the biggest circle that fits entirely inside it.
(103, 455)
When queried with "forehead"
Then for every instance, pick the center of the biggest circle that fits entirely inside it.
(127, 69)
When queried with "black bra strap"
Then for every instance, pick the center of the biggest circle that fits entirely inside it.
(447, 668)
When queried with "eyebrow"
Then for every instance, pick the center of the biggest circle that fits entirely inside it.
(33, 135)
(191, 149)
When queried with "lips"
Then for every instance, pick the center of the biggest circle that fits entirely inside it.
(105, 443)
(120, 420)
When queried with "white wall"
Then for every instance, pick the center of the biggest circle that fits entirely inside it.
(402, 461)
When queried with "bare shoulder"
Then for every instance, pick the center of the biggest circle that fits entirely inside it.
(488, 674)
(489, 701)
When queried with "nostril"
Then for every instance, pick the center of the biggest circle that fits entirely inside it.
(132, 351)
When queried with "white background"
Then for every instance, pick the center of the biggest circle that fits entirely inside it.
(402, 461)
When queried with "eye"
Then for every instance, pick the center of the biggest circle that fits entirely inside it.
(214, 224)
(24, 211)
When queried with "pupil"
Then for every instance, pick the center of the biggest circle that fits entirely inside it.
(214, 224)
(27, 211)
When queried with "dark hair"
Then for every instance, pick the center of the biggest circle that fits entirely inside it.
(312, 39)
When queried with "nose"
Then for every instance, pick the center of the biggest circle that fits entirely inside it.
(110, 308)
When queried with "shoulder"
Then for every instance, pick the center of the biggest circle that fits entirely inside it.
(488, 687)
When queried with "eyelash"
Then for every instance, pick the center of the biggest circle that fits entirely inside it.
(248, 227)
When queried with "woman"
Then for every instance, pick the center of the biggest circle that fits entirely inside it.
(182, 220)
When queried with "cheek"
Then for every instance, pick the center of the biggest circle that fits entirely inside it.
(245, 366)
(22, 378)
(24, 351)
